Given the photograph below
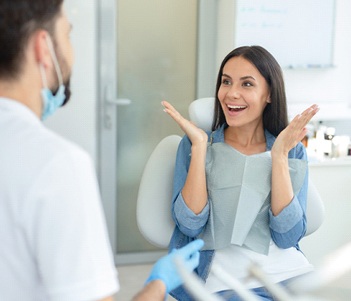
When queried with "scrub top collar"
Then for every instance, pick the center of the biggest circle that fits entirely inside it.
(8, 105)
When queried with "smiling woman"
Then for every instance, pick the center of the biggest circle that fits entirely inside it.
(243, 188)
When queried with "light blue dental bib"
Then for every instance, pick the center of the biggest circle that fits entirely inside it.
(239, 192)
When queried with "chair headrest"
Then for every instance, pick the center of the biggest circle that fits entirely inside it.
(201, 112)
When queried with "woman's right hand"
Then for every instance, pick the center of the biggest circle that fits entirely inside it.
(194, 191)
(195, 134)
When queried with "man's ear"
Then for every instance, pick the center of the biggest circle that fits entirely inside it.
(41, 48)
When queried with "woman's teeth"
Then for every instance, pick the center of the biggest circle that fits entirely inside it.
(236, 108)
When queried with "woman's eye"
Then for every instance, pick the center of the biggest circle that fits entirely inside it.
(247, 84)
(225, 82)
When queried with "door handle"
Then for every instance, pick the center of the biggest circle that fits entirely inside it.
(119, 101)
(110, 100)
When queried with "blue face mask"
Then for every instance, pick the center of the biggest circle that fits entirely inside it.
(51, 102)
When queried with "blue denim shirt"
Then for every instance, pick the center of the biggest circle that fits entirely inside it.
(287, 228)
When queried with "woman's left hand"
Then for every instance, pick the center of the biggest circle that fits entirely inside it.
(294, 132)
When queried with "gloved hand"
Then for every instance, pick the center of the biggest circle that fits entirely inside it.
(165, 268)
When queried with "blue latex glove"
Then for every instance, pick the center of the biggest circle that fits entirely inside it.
(165, 268)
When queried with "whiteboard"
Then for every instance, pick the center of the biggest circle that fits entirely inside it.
(298, 33)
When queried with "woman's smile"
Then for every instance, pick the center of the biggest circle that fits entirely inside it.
(236, 108)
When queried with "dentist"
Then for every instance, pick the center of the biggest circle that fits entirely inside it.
(54, 243)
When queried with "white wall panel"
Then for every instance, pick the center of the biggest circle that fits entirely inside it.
(77, 121)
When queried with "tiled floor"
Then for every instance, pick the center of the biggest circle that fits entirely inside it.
(131, 279)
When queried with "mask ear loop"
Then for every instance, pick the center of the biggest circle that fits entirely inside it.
(43, 75)
(54, 59)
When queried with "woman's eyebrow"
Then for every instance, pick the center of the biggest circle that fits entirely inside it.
(225, 75)
(241, 78)
(247, 77)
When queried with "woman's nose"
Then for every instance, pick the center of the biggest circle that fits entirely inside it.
(234, 92)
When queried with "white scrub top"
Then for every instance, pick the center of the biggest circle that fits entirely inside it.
(54, 242)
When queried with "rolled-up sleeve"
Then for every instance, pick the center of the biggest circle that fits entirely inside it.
(289, 226)
(287, 218)
(188, 222)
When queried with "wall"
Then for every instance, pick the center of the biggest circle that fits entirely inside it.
(328, 87)
(78, 120)
(332, 84)
(322, 86)
(333, 184)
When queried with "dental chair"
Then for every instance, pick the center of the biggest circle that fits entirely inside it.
(153, 210)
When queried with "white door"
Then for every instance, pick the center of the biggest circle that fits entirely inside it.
(155, 48)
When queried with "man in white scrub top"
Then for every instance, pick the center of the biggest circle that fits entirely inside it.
(54, 243)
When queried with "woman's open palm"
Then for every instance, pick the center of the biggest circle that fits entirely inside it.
(195, 134)
(294, 132)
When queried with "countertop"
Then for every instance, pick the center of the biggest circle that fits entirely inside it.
(343, 161)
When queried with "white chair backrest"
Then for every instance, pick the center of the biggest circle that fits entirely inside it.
(155, 191)
(201, 112)
(315, 209)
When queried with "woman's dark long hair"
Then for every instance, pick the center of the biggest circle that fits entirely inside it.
(275, 116)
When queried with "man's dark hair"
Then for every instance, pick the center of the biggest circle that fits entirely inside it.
(19, 19)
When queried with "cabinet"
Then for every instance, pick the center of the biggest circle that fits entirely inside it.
(332, 179)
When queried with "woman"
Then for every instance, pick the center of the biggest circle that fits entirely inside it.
(250, 123)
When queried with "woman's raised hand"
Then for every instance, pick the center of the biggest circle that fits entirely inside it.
(195, 134)
(294, 132)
